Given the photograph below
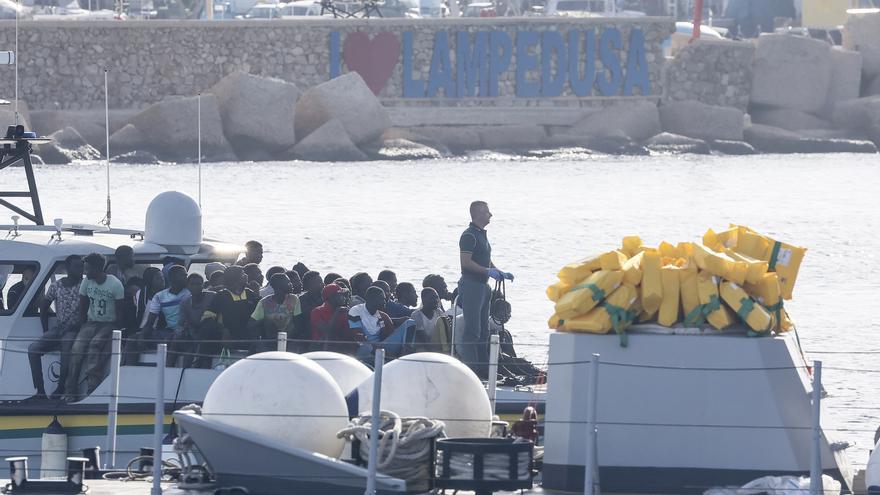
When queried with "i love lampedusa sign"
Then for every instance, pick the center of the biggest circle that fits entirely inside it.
(544, 64)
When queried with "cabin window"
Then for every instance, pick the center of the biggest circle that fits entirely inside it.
(16, 278)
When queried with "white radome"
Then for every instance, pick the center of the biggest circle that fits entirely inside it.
(309, 405)
(174, 219)
(436, 386)
(347, 371)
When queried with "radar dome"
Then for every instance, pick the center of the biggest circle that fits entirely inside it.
(435, 386)
(174, 219)
(347, 371)
(282, 396)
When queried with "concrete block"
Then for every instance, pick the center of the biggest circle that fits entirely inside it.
(702, 121)
(348, 100)
(770, 139)
(862, 34)
(89, 123)
(846, 78)
(638, 120)
(859, 113)
(791, 72)
(257, 111)
(328, 143)
(786, 118)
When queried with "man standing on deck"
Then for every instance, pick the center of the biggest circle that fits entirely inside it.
(474, 293)
(253, 254)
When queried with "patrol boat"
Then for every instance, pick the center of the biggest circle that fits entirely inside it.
(173, 227)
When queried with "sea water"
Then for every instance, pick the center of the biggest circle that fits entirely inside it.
(407, 216)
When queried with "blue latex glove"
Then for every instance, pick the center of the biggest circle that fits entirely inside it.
(495, 273)
(508, 276)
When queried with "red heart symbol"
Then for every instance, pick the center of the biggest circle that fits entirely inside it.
(374, 59)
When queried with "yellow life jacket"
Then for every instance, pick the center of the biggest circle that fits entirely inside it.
(632, 269)
(588, 293)
(557, 290)
(669, 307)
(718, 315)
(614, 313)
(652, 284)
(573, 273)
(755, 316)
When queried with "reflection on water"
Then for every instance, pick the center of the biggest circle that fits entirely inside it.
(408, 216)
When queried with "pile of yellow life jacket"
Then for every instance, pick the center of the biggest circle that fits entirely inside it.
(734, 275)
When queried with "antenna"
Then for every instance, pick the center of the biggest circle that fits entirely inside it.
(199, 138)
(17, 8)
(107, 216)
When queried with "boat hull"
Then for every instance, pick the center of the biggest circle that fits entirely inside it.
(681, 413)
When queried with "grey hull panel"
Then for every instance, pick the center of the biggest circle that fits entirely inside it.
(269, 468)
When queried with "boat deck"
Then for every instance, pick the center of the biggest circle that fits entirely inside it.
(104, 487)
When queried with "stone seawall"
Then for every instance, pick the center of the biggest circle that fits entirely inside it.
(62, 63)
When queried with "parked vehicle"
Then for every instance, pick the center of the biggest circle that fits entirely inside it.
(264, 11)
(300, 8)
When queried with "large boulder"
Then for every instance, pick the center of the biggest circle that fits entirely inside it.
(169, 130)
(701, 121)
(846, 78)
(791, 72)
(786, 118)
(349, 101)
(257, 112)
(637, 120)
(89, 123)
(328, 143)
(512, 137)
(770, 139)
(666, 142)
(67, 145)
(862, 33)
(858, 113)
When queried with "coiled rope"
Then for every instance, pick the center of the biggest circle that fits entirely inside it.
(405, 445)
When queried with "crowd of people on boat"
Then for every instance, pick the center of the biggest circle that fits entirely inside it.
(239, 308)
(236, 307)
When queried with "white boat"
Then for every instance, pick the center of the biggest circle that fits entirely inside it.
(173, 228)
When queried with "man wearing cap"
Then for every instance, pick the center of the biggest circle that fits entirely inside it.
(474, 293)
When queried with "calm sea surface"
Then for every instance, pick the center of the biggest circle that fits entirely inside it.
(408, 216)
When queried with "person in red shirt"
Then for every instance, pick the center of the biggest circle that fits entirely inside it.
(329, 322)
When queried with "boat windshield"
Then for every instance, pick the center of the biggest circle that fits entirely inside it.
(15, 279)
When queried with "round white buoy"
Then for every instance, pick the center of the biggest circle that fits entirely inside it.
(347, 371)
(435, 386)
(282, 396)
(872, 470)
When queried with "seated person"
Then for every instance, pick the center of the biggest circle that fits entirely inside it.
(123, 266)
(396, 311)
(191, 312)
(266, 290)
(100, 305)
(230, 311)
(390, 278)
(437, 283)
(254, 277)
(374, 324)
(432, 326)
(329, 322)
(165, 303)
(331, 277)
(253, 254)
(279, 312)
(359, 283)
(64, 293)
(19, 288)
(296, 283)
(311, 298)
(406, 296)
